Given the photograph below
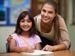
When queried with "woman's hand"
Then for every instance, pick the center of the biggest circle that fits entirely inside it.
(49, 48)
(9, 38)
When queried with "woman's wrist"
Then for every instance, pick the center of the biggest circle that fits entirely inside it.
(54, 48)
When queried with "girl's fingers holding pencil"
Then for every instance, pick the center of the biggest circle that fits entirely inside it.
(30, 49)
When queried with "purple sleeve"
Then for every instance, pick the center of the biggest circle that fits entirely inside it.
(37, 39)
(14, 36)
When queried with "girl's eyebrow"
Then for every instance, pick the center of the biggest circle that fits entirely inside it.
(22, 19)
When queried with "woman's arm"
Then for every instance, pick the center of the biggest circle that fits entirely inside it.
(61, 46)
(9, 38)
(64, 32)
(54, 48)
(65, 41)
(19, 49)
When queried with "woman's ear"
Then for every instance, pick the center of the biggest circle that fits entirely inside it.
(56, 13)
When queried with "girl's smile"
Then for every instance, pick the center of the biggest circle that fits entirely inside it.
(26, 23)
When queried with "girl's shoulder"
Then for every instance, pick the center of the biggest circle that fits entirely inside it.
(35, 36)
(15, 35)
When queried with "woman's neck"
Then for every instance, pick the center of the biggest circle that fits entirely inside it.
(46, 24)
(25, 34)
(46, 27)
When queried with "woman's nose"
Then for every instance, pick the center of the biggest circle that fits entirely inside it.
(46, 14)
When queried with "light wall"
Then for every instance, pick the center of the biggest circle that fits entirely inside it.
(71, 27)
(4, 33)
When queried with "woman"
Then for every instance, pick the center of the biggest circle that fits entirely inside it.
(52, 28)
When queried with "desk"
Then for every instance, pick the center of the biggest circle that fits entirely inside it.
(56, 53)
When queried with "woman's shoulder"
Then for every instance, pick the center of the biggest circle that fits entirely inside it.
(62, 23)
(37, 16)
(61, 19)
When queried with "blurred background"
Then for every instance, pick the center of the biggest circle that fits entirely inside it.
(10, 9)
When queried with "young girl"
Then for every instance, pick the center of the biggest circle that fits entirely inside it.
(26, 29)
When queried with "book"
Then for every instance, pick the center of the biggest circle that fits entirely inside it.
(38, 52)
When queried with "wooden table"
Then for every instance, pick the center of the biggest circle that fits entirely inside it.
(56, 53)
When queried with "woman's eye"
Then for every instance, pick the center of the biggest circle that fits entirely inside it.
(50, 12)
(44, 11)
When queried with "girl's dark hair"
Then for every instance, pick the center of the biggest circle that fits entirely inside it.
(33, 30)
(56, 20)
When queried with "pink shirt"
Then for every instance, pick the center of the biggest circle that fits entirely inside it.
(32, 41)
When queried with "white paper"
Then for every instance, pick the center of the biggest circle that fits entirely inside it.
(38, 52)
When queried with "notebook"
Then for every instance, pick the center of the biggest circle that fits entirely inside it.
(38, 52)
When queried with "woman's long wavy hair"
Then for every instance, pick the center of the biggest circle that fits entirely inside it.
(56, 20)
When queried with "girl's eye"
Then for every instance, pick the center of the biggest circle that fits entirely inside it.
(29, 21)
(22, 21)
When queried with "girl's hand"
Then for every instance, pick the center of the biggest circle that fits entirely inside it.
(28, 49)
(49, 48)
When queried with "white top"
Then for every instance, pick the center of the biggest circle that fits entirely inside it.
(49, 35)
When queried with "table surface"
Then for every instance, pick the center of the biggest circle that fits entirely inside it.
(56, 53)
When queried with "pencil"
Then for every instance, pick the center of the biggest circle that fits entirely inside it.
(25, 41)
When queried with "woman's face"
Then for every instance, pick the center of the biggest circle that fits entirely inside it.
(25, 23)
(47, 13)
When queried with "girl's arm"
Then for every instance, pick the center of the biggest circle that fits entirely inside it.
(38, 46)
(19, 49)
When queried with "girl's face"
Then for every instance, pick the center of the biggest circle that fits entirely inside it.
(47, 13)
(25, 23)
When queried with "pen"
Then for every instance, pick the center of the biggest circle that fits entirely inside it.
(25, 41)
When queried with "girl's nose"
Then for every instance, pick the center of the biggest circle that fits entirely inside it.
(25, 23)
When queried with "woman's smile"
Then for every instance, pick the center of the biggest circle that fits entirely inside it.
(47, 13)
